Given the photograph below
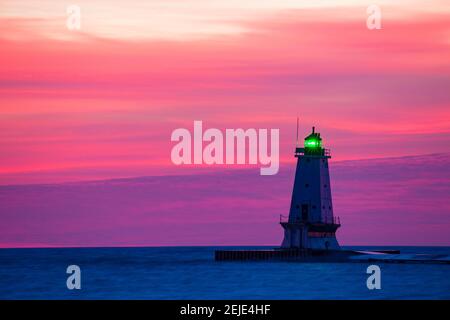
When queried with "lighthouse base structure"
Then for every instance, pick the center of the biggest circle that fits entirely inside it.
(319, 236)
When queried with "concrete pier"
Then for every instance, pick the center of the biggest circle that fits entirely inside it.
(278, 254)
(330, 256)
(221, 255)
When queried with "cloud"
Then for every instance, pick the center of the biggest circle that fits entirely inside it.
(198, 19)
(392, 201)
(96, 107)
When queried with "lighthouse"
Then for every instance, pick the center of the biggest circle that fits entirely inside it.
(311, 224)
(310, 229)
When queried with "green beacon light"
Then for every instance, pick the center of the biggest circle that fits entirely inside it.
(313, 143)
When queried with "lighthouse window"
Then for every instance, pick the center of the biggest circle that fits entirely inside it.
(313, 206)
(325, 185)
(304, 212)
(316, 234)
(306, 185)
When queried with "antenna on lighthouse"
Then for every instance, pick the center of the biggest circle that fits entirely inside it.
(296, 141)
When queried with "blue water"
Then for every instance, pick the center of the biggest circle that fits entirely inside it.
(192, 273)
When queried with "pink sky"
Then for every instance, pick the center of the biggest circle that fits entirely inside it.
(390, 201)
(101, 103)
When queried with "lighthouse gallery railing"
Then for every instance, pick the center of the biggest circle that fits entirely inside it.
(334, 220)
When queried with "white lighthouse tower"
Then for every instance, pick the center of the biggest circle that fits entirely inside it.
(311, 223)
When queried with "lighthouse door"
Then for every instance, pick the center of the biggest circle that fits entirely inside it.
(305, 213)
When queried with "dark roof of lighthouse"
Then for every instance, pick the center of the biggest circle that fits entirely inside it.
(313, 135)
